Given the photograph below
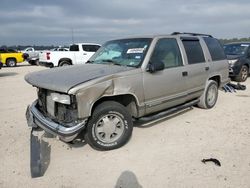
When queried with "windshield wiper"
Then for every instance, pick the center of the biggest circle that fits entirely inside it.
(110, 61)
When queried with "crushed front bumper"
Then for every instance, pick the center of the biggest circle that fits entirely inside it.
(36, 119)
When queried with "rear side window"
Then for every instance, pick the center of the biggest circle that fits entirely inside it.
(90, 48)
(215, 49)
(194, 51)
(74, 48)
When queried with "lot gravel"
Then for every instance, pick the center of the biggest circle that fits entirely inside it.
(166, 153)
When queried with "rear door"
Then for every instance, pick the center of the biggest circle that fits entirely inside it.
(166, 88)
(197, 66)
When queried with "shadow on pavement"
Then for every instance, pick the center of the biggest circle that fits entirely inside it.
(5, 74)
(40, 151)
(127, 180)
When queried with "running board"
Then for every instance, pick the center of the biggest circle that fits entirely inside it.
(169, 111)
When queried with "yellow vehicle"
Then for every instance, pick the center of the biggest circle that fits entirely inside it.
(11, 57)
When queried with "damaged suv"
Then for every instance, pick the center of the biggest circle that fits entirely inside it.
(127, 79)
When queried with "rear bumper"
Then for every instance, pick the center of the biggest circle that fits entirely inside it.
(36, 119)
(46, 64)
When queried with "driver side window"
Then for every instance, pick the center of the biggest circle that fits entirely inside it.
(167, 52)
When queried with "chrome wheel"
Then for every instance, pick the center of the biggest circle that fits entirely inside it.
(11, 63)
(212, 95)
(109, 128)
(244, 73)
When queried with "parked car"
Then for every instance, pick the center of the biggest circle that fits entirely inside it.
(238, 55)
(127, 78)
(31, 55)
(78, 54)
(11, 57)
(59, 49)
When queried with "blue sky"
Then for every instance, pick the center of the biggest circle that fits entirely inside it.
(47, 22)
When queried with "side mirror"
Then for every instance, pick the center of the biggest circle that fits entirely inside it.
(154, 67)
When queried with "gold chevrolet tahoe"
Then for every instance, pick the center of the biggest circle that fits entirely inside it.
(125, 80)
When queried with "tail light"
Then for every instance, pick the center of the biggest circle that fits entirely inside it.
(48, 55)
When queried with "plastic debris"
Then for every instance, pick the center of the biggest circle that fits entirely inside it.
(216, 161)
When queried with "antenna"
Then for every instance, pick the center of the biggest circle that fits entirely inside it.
(72, 35)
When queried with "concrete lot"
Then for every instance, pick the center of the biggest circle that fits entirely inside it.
(160, 154)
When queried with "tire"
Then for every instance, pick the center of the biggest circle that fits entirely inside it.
(64, 63)
(32, 62)
(110, 126)
(210, 95)
(242, 77)
(11, 62)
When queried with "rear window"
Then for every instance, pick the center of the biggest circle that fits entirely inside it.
(216, 51)
(90, 48)
(193, 50)
(74, 48)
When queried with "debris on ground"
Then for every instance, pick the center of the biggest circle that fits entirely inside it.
(230, 87)
(216, 161)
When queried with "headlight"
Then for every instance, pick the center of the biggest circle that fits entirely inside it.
(232, 61)
(61, 98)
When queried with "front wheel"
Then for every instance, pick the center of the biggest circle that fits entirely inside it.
(242, 77)
(210, 95)
(110, 126)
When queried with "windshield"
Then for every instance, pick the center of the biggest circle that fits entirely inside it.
(235, 49)
(125, 52)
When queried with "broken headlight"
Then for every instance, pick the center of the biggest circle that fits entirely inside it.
(60, 98)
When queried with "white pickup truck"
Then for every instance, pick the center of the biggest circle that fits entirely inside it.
(78, 54)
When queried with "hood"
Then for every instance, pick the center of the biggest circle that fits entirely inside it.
(62, 79)
(230, 57)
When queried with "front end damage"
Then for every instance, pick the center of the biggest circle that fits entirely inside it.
(56, 113)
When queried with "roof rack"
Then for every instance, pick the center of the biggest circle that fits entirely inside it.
(193, 34)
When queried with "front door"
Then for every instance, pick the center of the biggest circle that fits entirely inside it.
(165, 88)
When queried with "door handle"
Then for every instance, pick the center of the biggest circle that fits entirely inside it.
(84, 53)
(185, 73)
(206, 68)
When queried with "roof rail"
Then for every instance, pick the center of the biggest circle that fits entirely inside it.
(193, 34)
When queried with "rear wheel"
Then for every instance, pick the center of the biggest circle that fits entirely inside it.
(210, 95)
(11, 62)
(109, 127)
(242, 77)
(64, 63)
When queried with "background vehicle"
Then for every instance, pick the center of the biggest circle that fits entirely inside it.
(128, 78)
(11, 57)
(78, 54)
(59, 49)
(238, 55)
(31, 55)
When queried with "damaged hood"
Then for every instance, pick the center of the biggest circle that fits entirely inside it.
(62, 79)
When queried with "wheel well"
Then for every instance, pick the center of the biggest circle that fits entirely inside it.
(247, 65)
(65, 59)
(217, 79)
(127, 100)
(10, 58)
